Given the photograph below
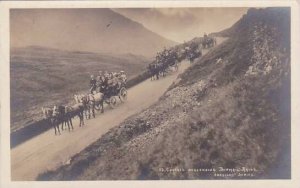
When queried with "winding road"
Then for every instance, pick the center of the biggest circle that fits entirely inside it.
(47, 151)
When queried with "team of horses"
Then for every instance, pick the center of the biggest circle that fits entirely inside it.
(171, 57)
(63, 115)
(84, 108)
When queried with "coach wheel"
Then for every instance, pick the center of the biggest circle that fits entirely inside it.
(123, 94)
(113, 102)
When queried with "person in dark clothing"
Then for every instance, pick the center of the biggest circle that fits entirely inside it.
(92, 84)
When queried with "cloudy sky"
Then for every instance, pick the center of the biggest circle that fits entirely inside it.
(182, 24)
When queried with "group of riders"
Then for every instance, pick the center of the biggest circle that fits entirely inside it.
(106, 85)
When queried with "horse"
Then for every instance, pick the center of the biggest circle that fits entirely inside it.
(65, 117)
(50, 113)
(61, 116)
(208, 42)
(95, 100)
(165, 66)
(175, 66)
(153, 70)
(76, 110)
(84, 100)
(172, 60)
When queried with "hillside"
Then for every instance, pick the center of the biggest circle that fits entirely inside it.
(230, 113)
(93, 30)
(43, 77)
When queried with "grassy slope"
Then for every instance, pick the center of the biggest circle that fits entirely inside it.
(43, 76)
(230, 114)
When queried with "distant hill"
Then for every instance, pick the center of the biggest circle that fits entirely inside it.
(231, 109)
(93, 30)
(45, 76)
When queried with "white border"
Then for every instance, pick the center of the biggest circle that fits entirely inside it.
(5, 93)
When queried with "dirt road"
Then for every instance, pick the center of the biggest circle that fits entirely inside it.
(48, 151)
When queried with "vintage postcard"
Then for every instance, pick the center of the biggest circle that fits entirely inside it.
(115, 93)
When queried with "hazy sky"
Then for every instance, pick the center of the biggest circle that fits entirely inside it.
(179, 24)
(104, 30)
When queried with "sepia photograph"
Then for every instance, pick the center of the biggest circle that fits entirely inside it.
(149, 93)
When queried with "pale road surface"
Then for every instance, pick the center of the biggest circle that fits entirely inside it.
(47, 151)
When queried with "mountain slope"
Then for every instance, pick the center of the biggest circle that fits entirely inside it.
(43, 76)
(94, 30)
(230, 110)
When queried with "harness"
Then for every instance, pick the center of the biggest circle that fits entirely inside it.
(91, 98)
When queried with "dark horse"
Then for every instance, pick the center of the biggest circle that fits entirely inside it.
(53, 120)
(76, 110)
(61, 116)
(162, 67)
(65, 117)
(208, 42)
(154, 71)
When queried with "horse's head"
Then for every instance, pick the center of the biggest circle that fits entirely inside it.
(47, 112)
